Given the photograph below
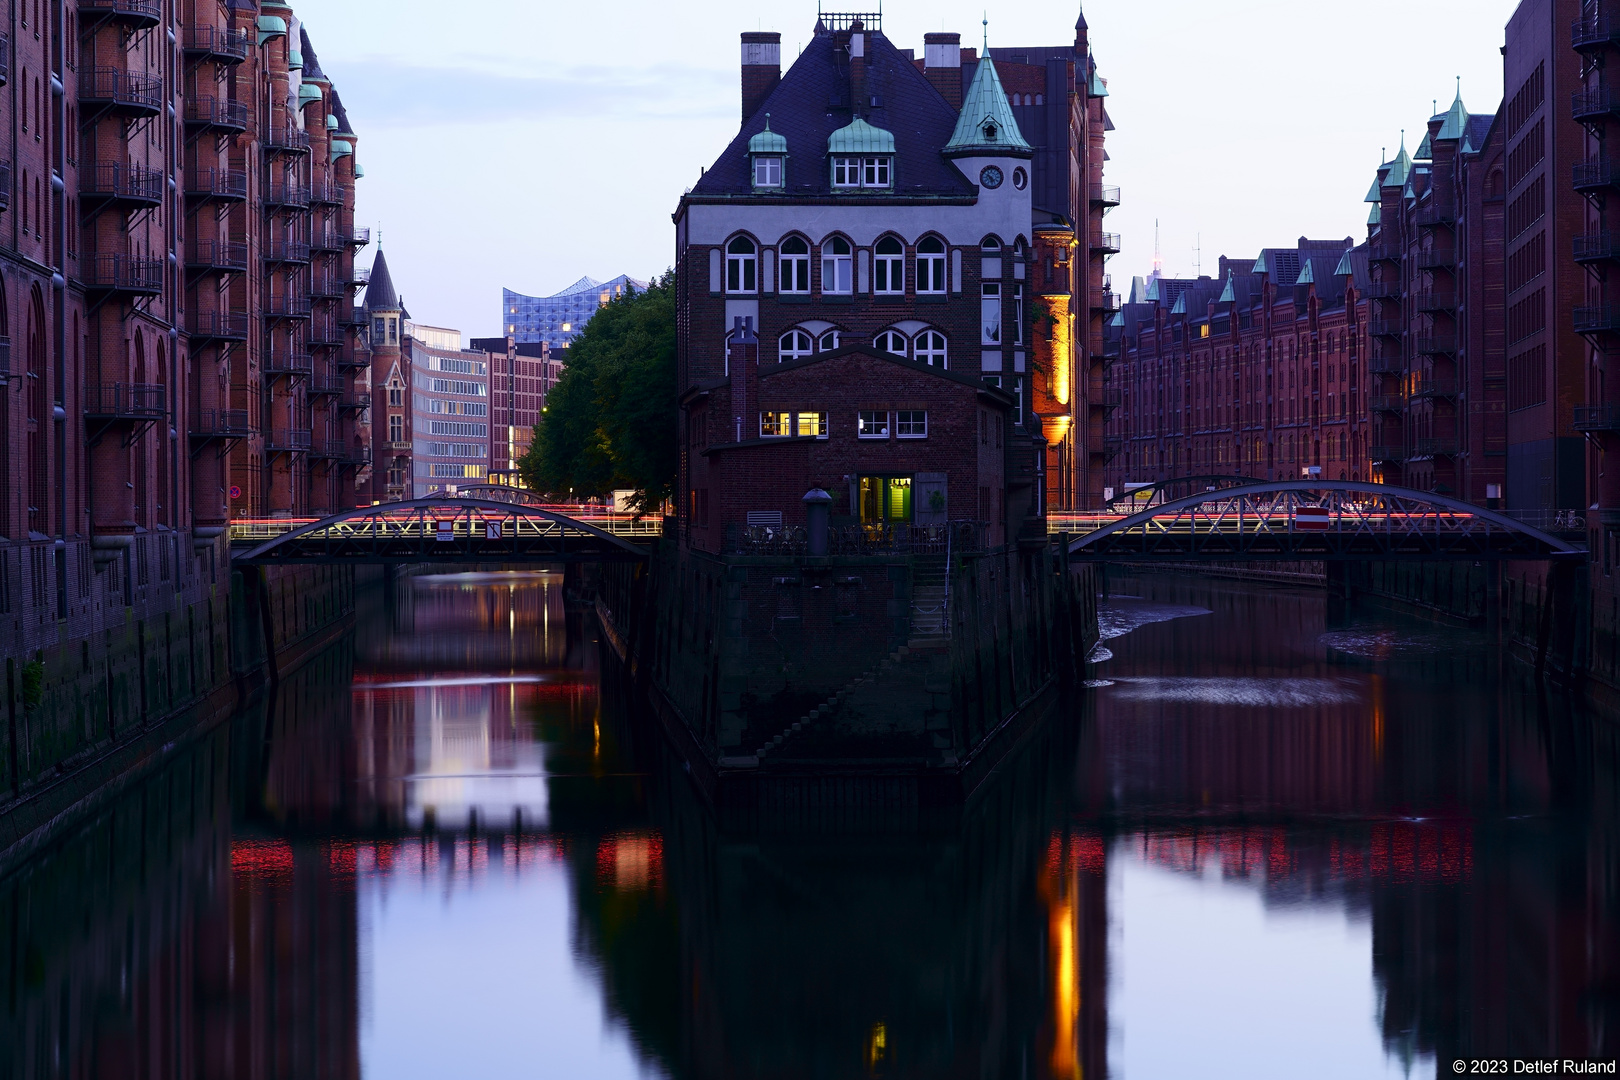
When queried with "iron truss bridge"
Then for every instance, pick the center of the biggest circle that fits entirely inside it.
(1314, 520)
(439, 530)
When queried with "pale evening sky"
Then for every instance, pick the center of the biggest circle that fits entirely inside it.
(524, 144)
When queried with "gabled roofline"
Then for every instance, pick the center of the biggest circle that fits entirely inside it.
(978, 384)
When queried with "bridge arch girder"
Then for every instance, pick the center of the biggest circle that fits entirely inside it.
(1362, 521)
(445, 529)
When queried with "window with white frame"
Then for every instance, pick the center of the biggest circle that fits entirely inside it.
(911, 424)
(891, 341)
(930, 348)
(873, 424)
(990, 313)
(811, 423)
(795, 265)
(862, 172)
(767, 171)
(889, 267)
(775, 425)
(741, 266)
(990, 245)
(794, 345)
(837, 265)
(931, 266)
(1018, 314)
(828, 341)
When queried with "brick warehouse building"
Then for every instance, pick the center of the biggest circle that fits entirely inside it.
(176, 256)
(903, 220)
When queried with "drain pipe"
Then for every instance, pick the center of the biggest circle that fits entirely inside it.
(58, 262)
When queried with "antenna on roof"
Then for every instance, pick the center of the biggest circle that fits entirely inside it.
(987, 33)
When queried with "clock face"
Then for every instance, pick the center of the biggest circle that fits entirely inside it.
(990, 177)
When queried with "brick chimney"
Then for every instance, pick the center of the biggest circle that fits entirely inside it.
(860, 98)
(761, 69)
(942, 63)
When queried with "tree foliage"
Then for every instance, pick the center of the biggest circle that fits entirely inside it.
(610, 421)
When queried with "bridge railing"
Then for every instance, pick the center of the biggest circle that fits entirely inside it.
(627, 526)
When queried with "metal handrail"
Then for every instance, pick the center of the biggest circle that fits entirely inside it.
(125, 401)
(217, 112)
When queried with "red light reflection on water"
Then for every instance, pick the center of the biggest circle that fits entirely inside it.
(1391, 852)
(630, 861)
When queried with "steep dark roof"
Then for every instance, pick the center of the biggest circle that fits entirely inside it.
(341, 113)
(380, 294)
(312, 63)
(813, 100)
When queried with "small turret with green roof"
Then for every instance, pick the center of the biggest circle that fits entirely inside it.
(987, 125)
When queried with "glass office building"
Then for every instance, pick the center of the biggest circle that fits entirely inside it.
(557, 319)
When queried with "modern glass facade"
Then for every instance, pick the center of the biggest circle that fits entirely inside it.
(449, 418)
(557, 319)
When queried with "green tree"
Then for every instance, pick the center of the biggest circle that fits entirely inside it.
(610, 422)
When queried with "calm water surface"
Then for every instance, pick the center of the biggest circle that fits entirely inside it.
(1258, 846)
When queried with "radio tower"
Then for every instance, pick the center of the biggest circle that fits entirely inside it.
(1158, 263)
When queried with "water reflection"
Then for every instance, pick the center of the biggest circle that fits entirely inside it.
(442, 850)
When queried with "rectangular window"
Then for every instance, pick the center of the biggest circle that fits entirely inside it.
(396, 429)
(873, 425)
(990, 309)
(457, 472)
(795, 272)
(931, 272)
(775, 425)
(911, 424)
(1018, 314)
(767, 172)
(846, 172)
(812, 423)
(876, 173)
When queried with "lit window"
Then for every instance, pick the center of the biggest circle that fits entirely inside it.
(767, 172)
(795, 265)
(873, 425)
(794, 345)
(891, 341)
(931, 266)
(740, 266)
(931, 348)
(911, 424)
(812, 423)
(889, 269)
(836, 265)
(775, 425)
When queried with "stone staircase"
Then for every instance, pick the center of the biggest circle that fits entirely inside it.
(828, 707)
(930, 602)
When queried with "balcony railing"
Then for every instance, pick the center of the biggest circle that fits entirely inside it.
(1594, 32)
(1430, 216)
(1436, 344)
(209, 43)
(360, 275)
(1437, 259)
(326, 384)
(326, 193)
(217, 184)
(357, 454)
(355, 402)
(228, 255)
(1436, 300)
(1384, 251)
(1597, 319)
(286, 139)
(1387, 452)
(1107, 242)
(1104, 196)
(1111, 398)
(289, 363)
(221, 424)
(1596, 174)
(1435, 447)
(1434, 388)
(124, 401)
(357, 236)
(1382, 290)
(1597, 247)
(285, 194)
(327, 287)
(325, 240)
(1390, 403)
(1386, 327)
(117, 182)
(289, 441)
(219, 325)
(1386, 364)
(286, 251)
(122, 274)
(137, 93)
(324, 333)
(1104, 301)
(1597, 418)
(5, 58)
(354, 360)
(1113, 445)
(287, 307)
(142, 14)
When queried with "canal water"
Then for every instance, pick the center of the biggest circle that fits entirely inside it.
(1257, 845)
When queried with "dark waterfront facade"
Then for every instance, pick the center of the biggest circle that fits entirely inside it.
(1258, 836)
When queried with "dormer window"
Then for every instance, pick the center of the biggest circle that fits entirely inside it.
(862, 157)
(767, 171)
(863, 172)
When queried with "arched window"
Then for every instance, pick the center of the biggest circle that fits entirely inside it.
(836, 267)
(889, 277)
(991, 245)
(740, 266)
(891, 341)
(931, 266)
(795, 344)
(931, 348)
(827, 342)
(795, 265)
